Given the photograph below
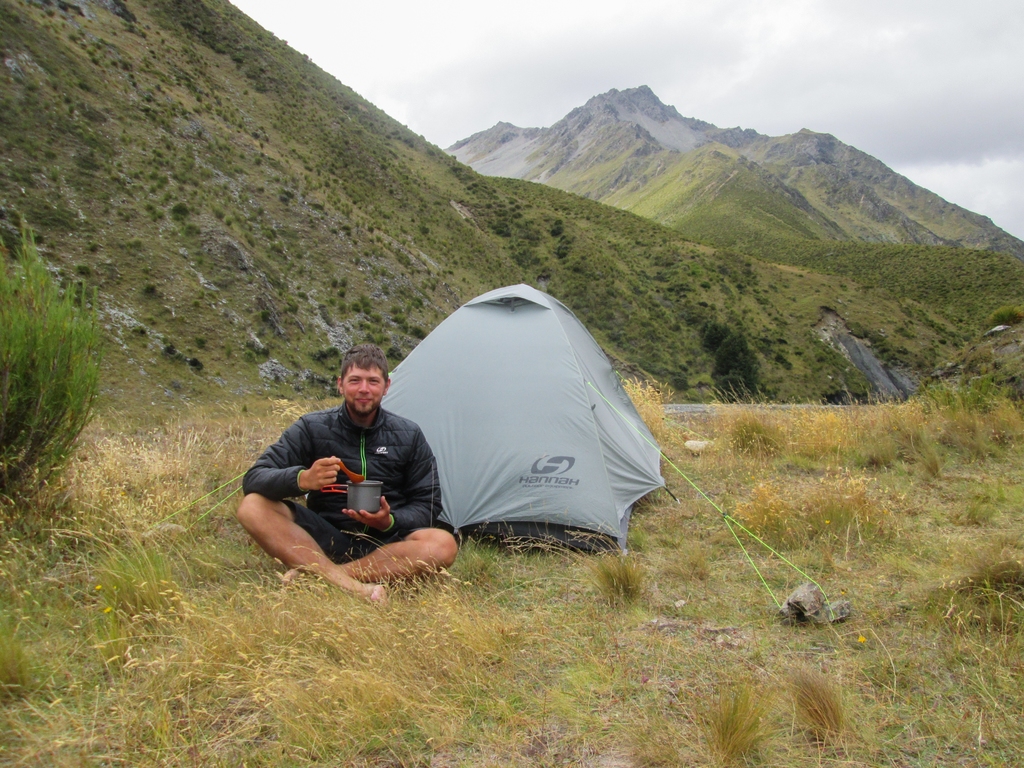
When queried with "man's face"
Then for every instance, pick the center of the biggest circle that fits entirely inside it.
(363, 389)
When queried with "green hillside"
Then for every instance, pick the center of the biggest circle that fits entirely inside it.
(244, 216)
(805, 199)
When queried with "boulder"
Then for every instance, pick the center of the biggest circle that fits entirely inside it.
(273, 370)
(807, 604)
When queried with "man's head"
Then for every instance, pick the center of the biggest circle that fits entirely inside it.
(363, 382)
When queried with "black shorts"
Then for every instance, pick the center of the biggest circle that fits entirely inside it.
(341, 546)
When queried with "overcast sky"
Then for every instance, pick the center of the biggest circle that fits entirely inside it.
(934, 89)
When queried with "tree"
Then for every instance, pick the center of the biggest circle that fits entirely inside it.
(736, 368)
(49, 369)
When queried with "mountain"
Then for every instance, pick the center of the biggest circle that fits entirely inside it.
(243, 217)
(729, 187)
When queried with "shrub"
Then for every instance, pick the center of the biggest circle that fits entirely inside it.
(49, 370)
(1007, 315)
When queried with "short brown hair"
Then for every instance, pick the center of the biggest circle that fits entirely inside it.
(365, 356)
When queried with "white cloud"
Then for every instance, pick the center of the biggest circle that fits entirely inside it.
(991, 187)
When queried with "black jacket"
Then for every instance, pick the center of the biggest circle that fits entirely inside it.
(393, 451)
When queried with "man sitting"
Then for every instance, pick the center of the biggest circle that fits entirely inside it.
(353, 549)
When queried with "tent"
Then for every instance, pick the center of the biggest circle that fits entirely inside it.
(533, 433)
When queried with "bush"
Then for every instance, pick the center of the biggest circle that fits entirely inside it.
(49, 370)
(1008, 315)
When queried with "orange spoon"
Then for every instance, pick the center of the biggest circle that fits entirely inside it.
(355, 478)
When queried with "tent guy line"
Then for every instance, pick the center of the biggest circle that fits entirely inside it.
(196, 501)
(729, 519)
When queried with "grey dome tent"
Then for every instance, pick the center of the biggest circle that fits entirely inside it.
(533, 433)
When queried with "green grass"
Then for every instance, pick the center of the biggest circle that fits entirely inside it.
(522, 657)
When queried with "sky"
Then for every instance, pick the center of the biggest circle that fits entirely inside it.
(932, 88)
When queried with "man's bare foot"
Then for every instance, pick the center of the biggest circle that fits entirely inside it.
(375, 593)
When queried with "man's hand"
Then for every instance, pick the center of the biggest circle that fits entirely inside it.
(323, 472)
(380, 520)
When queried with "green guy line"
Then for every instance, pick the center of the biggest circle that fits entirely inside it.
(213, 507)
(196, 501)
(729, 519)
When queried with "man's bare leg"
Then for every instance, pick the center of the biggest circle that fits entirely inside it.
(271, 525)
(424, 551)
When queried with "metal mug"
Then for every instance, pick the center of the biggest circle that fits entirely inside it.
(364, 495)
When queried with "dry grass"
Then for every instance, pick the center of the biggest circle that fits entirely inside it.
(201, 656)
(819, 704)
(837, 507)
(650, 398)
(755, 435)
(17, 673)
(619, 578)
(735, 723)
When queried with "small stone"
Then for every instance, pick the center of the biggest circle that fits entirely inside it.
(697, 447)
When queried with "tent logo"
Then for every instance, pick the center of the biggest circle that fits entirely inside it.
(553, 465)
(550, 471)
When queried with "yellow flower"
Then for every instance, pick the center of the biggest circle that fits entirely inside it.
(862, 639)
(108, 609)
(99, 587)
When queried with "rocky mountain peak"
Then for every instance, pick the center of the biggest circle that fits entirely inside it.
(641, 100)
(639, 106)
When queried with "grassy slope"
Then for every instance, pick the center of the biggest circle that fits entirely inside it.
(231, 200)
(713, 196)
(204, 658)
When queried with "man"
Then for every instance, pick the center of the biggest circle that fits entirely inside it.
(353, 549)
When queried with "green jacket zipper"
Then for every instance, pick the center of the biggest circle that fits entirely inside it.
(362, 460)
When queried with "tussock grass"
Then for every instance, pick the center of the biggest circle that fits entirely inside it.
(17, 671)
(754, 435)
(138, 582)
(839, 507)
(619, 578)
(819, 704)
(689, 561)
(649, 399)
(989, 596)
(519, 656)
(735, 723)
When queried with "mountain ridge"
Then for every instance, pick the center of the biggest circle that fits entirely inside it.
(854, 196)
